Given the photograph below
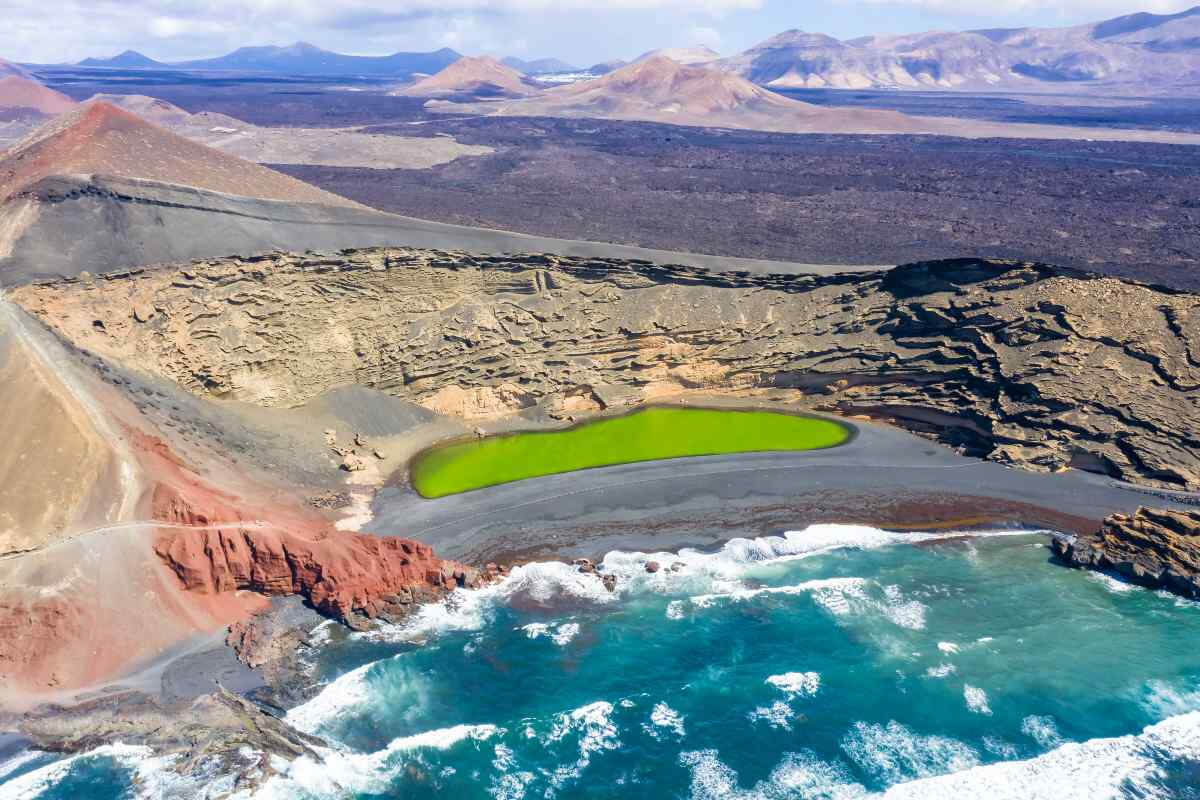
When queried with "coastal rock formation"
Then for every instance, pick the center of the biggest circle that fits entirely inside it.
(1153, 547)
(1020, 363)
(348, 576)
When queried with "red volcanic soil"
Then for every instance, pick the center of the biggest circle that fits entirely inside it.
(472, 76)
(217, 543)
(99, 138)
(17, 92)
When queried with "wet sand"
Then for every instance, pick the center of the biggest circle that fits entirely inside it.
(884, 477)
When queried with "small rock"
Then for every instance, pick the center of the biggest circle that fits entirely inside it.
(143, 312)
(360, 440)
(353, 463)
(480, 433)
(652, 567)
(610, 582)
(379, 454)
(678, 565)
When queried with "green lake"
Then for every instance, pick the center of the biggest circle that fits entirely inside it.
(649, 435)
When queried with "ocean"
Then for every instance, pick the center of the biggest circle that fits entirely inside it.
(834, 662)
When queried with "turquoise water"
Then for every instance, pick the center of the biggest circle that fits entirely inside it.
(838, 662)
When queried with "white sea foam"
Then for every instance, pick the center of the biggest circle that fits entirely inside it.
(334, 773)
(34, 783)
(535, 630)
(976, 700)
(940, 671)
(1112, 583)
(798, 775)
(19, 761)
(664, 718)
(1000, 748)
(593, 726)
(1043, 730)
(778, 715)
(1163, 699)
(797, 684)
(894, 753)
(565, 633)
(561, 635)
(675, 609)
(707, 576)
(949, 648)
(1098, 769)
(345, 694)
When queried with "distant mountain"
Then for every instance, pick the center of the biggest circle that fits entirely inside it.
(306, 59)
(483, 77)
(538, 66)
(300, 58)
(699, 54)
(130, 59)
(664, 91)
(605, 67)
(23, 93)
(1135, 53)
(658, 89)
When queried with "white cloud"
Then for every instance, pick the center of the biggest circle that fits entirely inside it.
(1093, 9)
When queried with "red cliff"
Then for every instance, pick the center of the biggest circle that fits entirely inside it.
(343, 575)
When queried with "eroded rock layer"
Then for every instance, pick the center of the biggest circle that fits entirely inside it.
(1153, 547)
(1020, 363)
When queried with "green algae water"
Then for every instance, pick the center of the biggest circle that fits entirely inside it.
(831, 663)
(650, 435)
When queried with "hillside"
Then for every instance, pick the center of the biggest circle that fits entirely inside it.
(8, 68)
(472, 76)
(100, 138)
(23, 93)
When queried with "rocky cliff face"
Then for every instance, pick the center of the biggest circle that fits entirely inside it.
(1153, 547)
(348, 576)
(1019, 363)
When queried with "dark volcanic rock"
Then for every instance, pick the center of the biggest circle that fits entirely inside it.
(1019, 363)
(1153, 547)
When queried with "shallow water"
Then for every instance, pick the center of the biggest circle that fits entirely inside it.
(839, 662)
(649, 435)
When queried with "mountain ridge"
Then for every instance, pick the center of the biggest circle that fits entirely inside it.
(1141, 52)
(299, 58)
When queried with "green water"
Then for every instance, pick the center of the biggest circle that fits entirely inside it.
(648, 435)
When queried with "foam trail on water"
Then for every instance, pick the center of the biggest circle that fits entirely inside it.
(1093, 770)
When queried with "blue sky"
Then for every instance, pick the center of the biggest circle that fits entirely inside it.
(579, 31)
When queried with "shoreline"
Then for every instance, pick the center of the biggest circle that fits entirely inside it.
(882, 476)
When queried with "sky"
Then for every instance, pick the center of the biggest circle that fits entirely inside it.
(581, 32)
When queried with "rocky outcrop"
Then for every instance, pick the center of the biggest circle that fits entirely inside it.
(1153, 547)
(1020, 363)
(348, 576)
